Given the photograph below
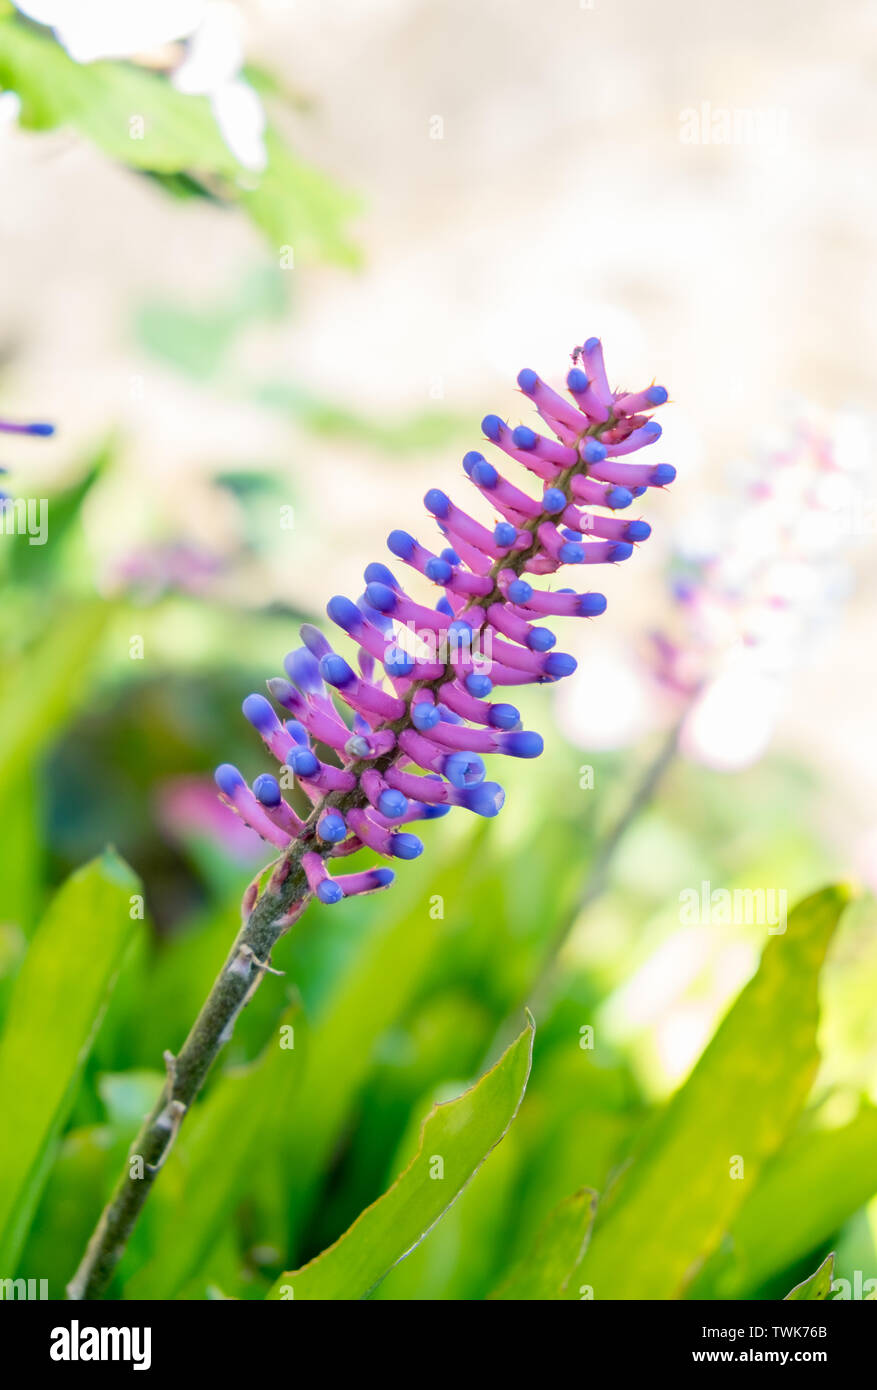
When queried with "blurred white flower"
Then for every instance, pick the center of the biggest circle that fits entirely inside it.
(757, 579)
(605, 703)
(211, 66)
(95, 29)
(731, 723)
(10, 106)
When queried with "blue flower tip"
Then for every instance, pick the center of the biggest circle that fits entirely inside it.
(663, 474)
(260, 713)
(464, 769)
(553, 500)
(344, 612)
(656, 395)
(484, 474)
(228, 779)
(392, 804)
(528, 380)
(398, 662)
(618, 498)
(329, 892)
(336, 671)
(504, 534)
(437, 502)
(593, 451)
(577, 381)
(425, 716)
(592, 605)
(519, 591)
(591, 344)
(621, 550)
(559, 664)
(470, 460)
(303, 762)
(492, 426)
(376, 573)
(478, 685)
(267, 790)
(381, 597)
(541, 639)
(637, 530)
(484, 800)
(438, 570)
(405, 846)
(524, 438)
(504, 717)
(523, 743)
(571, 553)
(401, 544)
(332, 828)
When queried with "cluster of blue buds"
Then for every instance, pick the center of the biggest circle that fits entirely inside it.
(419, 719)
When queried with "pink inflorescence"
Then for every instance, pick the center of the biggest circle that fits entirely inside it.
(421, 721)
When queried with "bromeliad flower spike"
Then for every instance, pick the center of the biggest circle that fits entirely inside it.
(423, 719)
(421, 722)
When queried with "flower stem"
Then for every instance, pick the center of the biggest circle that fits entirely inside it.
(239, 977)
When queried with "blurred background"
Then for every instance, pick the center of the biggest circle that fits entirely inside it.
(264, 321)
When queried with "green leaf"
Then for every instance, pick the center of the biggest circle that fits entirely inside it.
(140, 119)
(103, 101)
(670, 1208)
(219, 1146)
(461, 1133)
(544, 1272)
(421, 430)
(815, 1289)
(40, 688)
(56, 1007)
(806, 1193)
(300, 207)
(371, 995)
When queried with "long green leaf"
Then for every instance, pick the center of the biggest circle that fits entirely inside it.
(54, 1013)
(455, 1140)
(40, 688)
(371, 996)
(805, 1194)
(543, 1273)
(672, 1205)
(817, 1288)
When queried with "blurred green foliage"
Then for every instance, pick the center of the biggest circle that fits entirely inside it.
(605, 1180)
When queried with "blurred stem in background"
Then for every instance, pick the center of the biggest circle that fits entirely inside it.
(595, 884)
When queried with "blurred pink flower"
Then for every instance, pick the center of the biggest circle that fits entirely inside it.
(188, 806)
